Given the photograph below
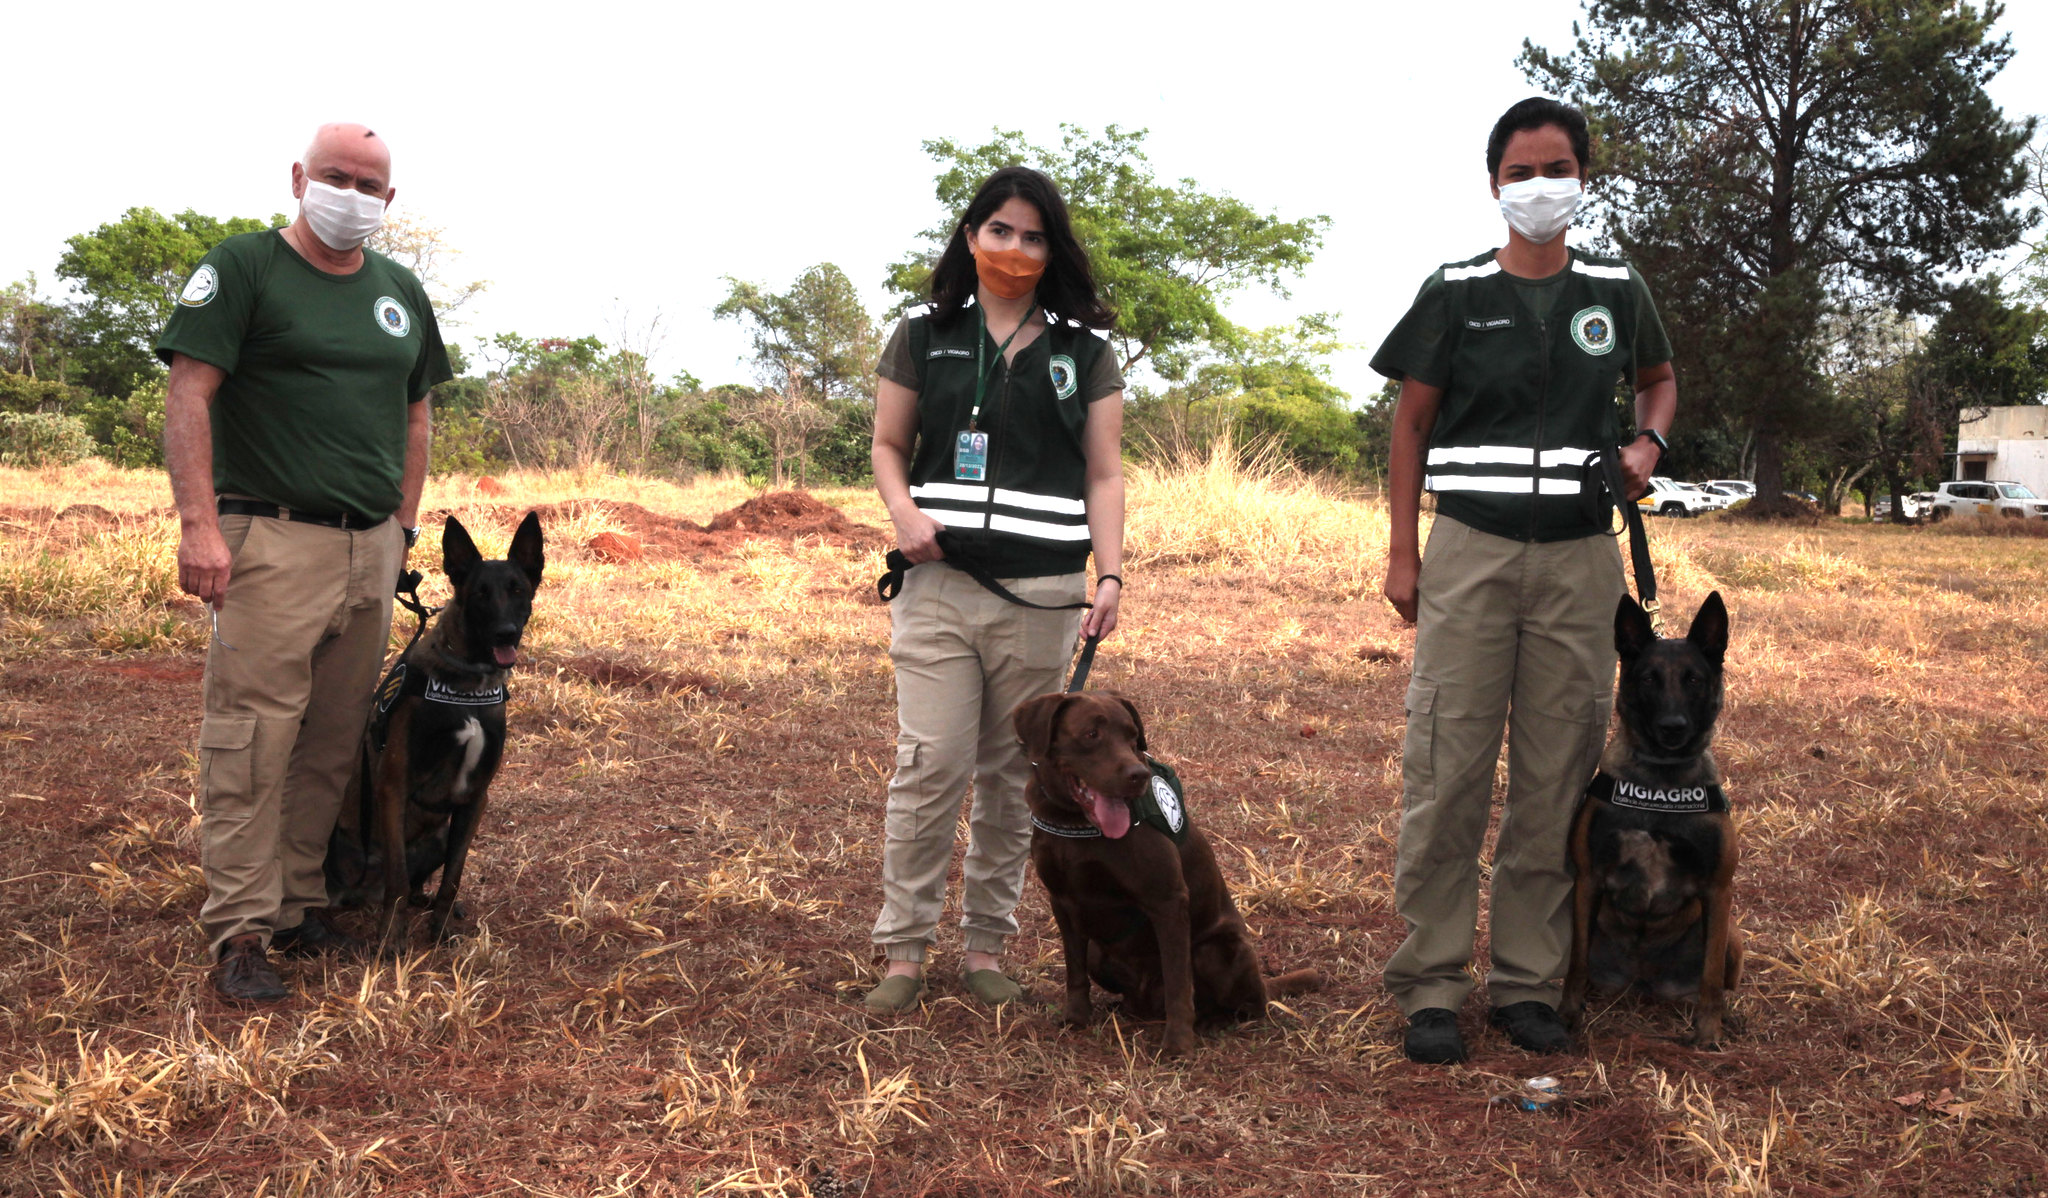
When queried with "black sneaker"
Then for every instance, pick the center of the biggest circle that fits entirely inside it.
(1433, 1037)
(1533, 1027)
(314, 938)
(245, 973)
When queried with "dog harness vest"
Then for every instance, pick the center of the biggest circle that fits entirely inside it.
(1684, 800)
(1162, 806)
(1528, 399)
(1026, 516)
(403, 680)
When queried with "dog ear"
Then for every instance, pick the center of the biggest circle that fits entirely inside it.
(1138, 720)
(1632, 631)
(1709, 631)
(458, 553)
(526, 549)
(1036, 720)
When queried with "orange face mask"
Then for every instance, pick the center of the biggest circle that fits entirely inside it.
(1010, 274)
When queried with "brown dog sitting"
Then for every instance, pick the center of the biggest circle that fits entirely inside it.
(1141, 906)
(1653, 847)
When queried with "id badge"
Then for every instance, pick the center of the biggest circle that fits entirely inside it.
(970, 457)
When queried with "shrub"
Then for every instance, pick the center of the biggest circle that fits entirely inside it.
(42, 439)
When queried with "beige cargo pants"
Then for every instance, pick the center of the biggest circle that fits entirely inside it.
(288, 683)
(1507, 633)
(964, 660)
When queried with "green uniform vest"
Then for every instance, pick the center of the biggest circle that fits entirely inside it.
(1529, 401)
(1029, 517)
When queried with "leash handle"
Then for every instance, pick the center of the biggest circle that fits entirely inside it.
(890, 584)
(1080, 678)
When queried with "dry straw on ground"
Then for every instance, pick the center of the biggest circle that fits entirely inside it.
(657, 992)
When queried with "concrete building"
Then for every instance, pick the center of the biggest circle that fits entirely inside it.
(2004, 444)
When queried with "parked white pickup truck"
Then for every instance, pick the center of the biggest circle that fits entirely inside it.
(1669, 497)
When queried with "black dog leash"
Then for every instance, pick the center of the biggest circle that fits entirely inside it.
(1080, 678)
(1614, 483)
(890, 584)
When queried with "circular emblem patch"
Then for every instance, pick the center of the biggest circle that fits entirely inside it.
(201, 287)
(1169, 803)
(392, 317)
(1593, 329)
(1063, 381)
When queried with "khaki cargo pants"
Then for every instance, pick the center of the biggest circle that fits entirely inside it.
(288, 683)
(964, 661)
(1507, 633)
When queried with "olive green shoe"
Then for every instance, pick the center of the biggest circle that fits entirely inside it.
(897, 993)
(993, 987)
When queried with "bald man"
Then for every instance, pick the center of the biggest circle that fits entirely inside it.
(296, 437)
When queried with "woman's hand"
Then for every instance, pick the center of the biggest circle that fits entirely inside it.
(1402, 571)
(1101, 619)
(917, 535)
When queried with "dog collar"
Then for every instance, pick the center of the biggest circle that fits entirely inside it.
(1084, 832)
(1710, 800)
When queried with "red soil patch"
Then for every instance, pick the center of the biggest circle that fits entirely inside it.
(616, 547)
(489, 486)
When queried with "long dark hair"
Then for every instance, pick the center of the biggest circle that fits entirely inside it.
(1067, 289)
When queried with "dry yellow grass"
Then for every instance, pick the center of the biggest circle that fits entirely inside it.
(658, 994)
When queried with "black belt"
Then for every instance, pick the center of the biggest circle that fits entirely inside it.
(354, 521)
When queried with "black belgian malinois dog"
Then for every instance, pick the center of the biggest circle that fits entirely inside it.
(1652, 846)
(435, 738)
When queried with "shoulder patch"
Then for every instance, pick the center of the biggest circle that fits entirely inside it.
(1593, 329)
(392, 316)
(201, 287)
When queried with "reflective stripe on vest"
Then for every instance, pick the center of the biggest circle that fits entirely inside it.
(1558, 470)
(943, 502)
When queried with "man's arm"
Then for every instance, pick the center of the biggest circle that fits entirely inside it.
(203, 557)
(1656, 407)
(419, 439)
(1414, 417)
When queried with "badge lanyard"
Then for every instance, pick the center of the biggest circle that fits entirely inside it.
(970, 453)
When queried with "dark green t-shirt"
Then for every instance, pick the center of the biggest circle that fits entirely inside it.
(320, 371)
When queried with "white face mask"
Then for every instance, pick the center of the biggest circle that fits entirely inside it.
(342, 220)
(1539, 209)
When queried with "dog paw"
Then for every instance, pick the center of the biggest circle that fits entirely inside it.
(1180, 1041)
(417, 898)
(1077, 1014)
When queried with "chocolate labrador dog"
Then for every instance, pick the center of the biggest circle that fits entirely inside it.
(1141, 906)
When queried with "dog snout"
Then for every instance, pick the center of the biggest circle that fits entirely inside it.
(506, 633)
(1673, 728)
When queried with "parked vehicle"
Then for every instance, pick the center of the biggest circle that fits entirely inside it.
(1740, 488)
(2009, 499)
(1912, 506)
(1669, 497)
(1721, 496)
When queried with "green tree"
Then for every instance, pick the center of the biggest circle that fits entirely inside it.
(1767, 158)
(818, 328)
(36, 338)
(1165, 254)
(128, 275)
(1265, 388)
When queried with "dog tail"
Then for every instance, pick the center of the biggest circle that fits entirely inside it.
(1299, 981)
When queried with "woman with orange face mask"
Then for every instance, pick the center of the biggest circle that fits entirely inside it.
(999, 424)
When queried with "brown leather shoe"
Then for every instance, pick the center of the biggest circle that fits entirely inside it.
(314, 937)
(245, 973)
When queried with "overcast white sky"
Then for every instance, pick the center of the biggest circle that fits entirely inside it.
(600, 160)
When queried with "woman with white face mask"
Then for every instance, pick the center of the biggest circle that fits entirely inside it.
(1507, 364)
(998, 426)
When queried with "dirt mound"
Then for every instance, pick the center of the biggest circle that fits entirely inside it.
(781, 515)
(792, 514)
(616, 547)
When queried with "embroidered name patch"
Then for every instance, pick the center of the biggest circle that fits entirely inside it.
(948, 351)
(1488, 323)
(438, 692)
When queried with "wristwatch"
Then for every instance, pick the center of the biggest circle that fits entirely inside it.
(412, 536)
(1663, 446)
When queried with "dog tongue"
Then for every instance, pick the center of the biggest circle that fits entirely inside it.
(507, 655)
(1109, 816)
